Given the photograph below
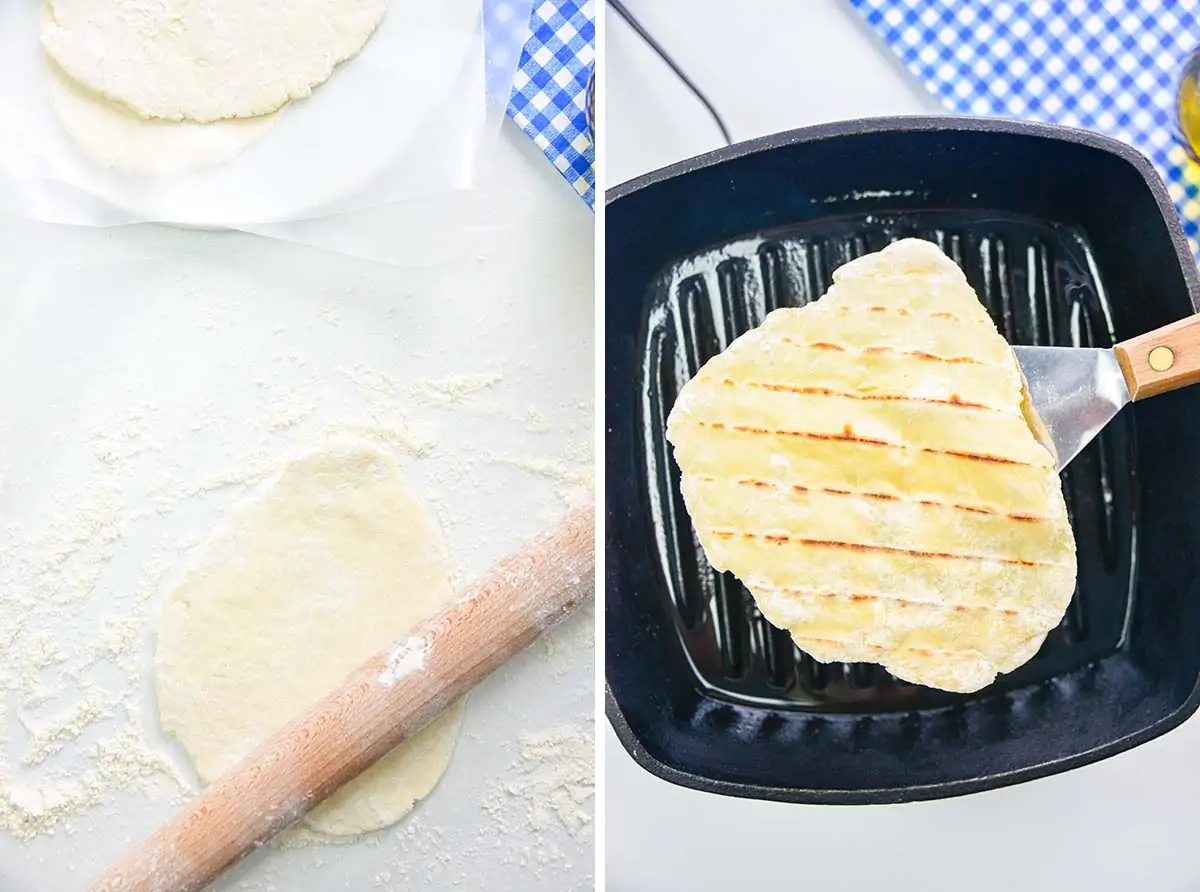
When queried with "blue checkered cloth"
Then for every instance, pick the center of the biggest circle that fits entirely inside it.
(1111, 66)
(549, 98)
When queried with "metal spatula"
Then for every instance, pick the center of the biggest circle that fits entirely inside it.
(1078, 390)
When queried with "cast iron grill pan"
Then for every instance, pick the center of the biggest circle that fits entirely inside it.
(1039, 283)
(1068, 238)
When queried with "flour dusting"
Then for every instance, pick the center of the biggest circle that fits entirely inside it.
(404, 659)
(574, 471)
(555, 779)
(452, 390)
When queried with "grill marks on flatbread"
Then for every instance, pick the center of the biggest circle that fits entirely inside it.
(865, 466)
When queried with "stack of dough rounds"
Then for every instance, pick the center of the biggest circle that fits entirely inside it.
(868, 466)
(165, 86)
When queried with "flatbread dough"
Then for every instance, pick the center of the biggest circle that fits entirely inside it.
(206, 60)
(332, 562)
(114, 137)
(868, 467)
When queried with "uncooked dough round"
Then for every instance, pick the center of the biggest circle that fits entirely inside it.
(206, 60)
(114, 137)
(329, 564)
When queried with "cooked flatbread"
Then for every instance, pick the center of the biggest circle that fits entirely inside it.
(867, 466)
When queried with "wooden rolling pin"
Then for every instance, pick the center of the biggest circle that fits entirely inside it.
(394, 695)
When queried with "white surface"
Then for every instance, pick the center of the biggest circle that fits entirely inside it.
(1125, 823)
(767, 66)
(203, 337)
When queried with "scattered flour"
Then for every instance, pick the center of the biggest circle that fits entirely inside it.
(535, 421)
(574, 471)
(572, 635)
(46, 739)
(550, 468)
(462, 392)
(118, 635)
(288, 413)
(456, 389)
(555, 779)
(49, 583)
(395, 432)
(121, 762)
(535, 817)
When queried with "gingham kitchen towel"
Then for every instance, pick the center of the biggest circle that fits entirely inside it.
(1107, 65)
(549, 97)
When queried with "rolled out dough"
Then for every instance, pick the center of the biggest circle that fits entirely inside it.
(114, 137)
(206, 60)
(329, 564)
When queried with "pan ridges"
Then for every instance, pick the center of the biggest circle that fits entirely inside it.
(866, 467)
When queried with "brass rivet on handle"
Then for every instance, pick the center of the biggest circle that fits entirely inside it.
(1161, 359)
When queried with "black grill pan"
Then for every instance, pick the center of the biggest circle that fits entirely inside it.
(1070, 239)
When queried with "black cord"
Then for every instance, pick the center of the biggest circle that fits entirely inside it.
(619, 9)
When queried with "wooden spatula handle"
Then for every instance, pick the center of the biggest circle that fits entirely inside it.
(376, 708)
(1164, 359)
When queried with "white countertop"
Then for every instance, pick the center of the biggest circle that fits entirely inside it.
(767, 66)
(139, 360)
(1119, 824)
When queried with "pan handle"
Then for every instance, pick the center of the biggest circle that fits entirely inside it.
(1164, 359)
